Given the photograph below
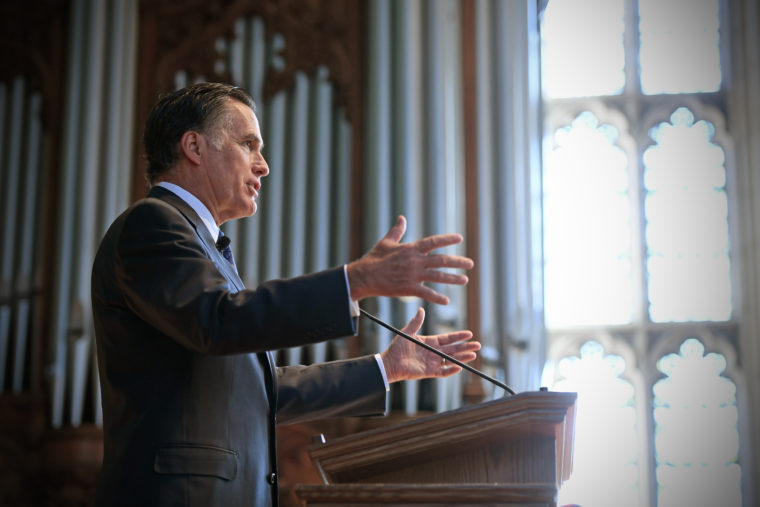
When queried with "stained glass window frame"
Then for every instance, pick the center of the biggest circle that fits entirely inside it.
(643, 341)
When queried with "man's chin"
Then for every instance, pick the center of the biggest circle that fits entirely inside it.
(244, 213)
(248, 207)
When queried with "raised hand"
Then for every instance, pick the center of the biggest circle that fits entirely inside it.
(404, 360)
(395, 269)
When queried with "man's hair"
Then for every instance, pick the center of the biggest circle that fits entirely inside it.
(199, 107)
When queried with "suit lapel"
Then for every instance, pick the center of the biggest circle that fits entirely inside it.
(228, 270)
(203, 234)
(265, 358)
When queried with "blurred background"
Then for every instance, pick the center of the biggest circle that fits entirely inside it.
(600, 157)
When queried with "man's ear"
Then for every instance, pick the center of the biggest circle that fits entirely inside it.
(190, 145)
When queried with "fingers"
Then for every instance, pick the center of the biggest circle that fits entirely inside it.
(454, 337)
(429, 294)
(397, 231)
(465, 356)
(393, 269)
(448, 261)
(430, 243)
(448, 369)
(443, 277)
(435, 276)
(424, 292)
(424, 245)
(458, 346)
(464, 353)
(414, 325)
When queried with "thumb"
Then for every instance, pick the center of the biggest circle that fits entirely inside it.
(397, 231)
(414, 325)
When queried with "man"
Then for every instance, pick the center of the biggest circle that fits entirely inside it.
(190, 393)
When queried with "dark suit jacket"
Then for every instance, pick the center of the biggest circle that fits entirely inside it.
(189, 392)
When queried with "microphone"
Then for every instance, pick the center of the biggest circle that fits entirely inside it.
(438, 352)
(222, 243)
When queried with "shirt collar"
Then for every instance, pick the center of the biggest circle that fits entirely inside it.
(196, 204)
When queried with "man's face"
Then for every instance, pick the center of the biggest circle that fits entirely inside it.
(235, 164)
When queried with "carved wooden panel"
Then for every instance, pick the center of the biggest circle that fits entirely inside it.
(519, 439)
(32, 45)
(516, 451)
(318, 32)
(22, 425)
(295, 467)
(181, 35)
(69, 461)
(40, 466)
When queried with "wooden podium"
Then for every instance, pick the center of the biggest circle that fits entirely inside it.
(515, 451)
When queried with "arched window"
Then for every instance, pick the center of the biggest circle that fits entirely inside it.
(696, 436)
(638, 235)
(605, 429)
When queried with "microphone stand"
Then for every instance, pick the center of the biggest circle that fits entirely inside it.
(438, 352)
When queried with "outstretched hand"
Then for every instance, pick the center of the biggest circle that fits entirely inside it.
(404, 360)
(395, 269)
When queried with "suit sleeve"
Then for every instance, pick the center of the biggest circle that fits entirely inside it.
(352, 387)
(168, 280)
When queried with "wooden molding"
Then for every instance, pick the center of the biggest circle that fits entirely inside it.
(31, 42)
(473, 391)
(293, 462)
(505, 434)
(22, 426)
(40, 466)
(316, 32)
(517, 495)
(515, 451)
(68, 463)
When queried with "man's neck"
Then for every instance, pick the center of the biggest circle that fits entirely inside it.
(194, 202)
(191, 179)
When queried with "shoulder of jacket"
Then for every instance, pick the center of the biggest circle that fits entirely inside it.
(151, 209)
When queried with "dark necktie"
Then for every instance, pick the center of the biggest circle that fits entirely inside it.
(223, 245)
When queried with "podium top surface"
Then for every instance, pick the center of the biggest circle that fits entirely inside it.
(525, 419)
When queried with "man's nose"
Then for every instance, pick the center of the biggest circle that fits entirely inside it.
(260, 167)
